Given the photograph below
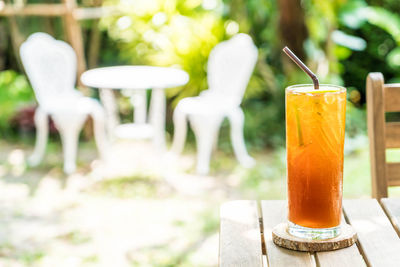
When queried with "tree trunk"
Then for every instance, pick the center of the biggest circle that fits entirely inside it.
(74, 37)
(95, 39)
(16, 39)
(49, 22)
(3, 45)
(293, 31)
(94, 47)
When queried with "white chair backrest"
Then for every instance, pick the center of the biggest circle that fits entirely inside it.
(50, 65)
(230, 66)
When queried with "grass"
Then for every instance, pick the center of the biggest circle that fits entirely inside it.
(137, 186)
(181, 251)
(267, 179)
(357, 177)
(25, 256)
(75, 237)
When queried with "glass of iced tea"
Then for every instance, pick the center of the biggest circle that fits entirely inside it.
(315, 127)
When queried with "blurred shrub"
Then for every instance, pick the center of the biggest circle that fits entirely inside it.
(356, 120)
(182, 33)
(376, 23)
(167, 33)
(346, 40)
(265, 124)
(15, 93)
(23, 120)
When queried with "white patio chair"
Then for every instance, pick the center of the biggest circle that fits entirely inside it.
(51, 68)
(230, 66)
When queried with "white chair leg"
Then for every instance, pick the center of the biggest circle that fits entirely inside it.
(236, 119)
(205, 129)
(180, 131)
(69, 127)
(42, 131)
(99, 125)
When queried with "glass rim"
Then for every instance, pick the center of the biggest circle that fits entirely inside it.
(292, 88)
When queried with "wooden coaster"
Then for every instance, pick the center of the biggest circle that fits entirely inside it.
(282, 238)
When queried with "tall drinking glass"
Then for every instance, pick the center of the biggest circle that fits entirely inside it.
(315, 126)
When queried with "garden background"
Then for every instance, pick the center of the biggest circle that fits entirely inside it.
(342, 41)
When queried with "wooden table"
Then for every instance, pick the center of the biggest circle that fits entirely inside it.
(245, 235)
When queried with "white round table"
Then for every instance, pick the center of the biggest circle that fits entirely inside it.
(134, 81)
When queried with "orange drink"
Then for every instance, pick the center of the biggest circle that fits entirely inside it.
(315, 127)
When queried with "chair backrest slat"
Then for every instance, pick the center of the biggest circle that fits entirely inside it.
(392, 97)
(382, 98)
(393, 174)
(392, 134)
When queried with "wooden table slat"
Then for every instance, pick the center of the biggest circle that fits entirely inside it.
(392, 208)
(346, 257)
(378, 240)
(240, 234)
(241, 242)
(273, 213)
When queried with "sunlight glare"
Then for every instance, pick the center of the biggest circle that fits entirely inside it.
(253, 234)
(365, 226)
(232, 27)
(3, 170)
(124, 22)
(16, 157)
(209, 4)
(17, 160)
(159, 19)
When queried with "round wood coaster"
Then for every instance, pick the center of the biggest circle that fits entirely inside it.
(282, 238)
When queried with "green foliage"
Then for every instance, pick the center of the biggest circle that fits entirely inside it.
(384, 19)
(356, 122)
(15, 93)
(265, 123)
(182, 33)
(379, 25)
(346, 40)
(167, 33)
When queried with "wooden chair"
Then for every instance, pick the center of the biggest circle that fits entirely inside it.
(382, 98)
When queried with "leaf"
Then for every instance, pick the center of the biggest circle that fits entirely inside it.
(342, 52)
(350, 41)
(353, 14)
(393, 58)
(384, 19)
